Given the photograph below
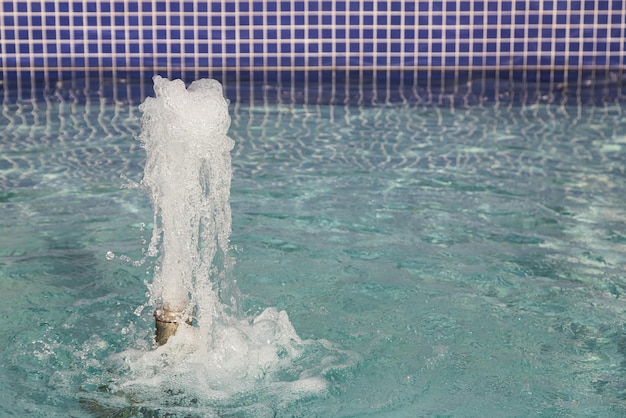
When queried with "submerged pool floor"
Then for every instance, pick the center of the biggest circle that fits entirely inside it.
(471, 260)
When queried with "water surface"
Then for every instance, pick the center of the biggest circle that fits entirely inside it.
(468, 261)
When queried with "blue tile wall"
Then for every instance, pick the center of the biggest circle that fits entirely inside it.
(39, 38)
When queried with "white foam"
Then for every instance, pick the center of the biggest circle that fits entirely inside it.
(242, 364)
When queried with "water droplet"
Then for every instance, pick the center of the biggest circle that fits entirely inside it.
(139, 310)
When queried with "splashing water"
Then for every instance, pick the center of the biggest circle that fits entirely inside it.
(187, 176)
(224, 360)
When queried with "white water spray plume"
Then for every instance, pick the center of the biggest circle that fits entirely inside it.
(223, 361)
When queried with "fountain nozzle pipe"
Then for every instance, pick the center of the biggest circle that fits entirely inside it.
(166, 324)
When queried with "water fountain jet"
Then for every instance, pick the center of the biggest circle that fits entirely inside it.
(187, 176)
(224, 357)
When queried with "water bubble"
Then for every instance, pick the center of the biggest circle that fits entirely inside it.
(139, 310)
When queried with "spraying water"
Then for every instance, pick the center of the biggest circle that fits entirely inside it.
(187, 175)
(224, 358)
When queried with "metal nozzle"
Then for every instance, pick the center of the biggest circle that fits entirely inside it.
(167, 323)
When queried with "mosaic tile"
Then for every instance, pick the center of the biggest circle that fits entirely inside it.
(311, 35)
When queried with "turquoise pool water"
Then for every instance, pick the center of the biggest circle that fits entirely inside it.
(463, 260)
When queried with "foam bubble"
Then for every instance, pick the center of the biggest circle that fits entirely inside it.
(261, 363)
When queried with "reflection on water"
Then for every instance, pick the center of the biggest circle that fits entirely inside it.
(472, 258)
